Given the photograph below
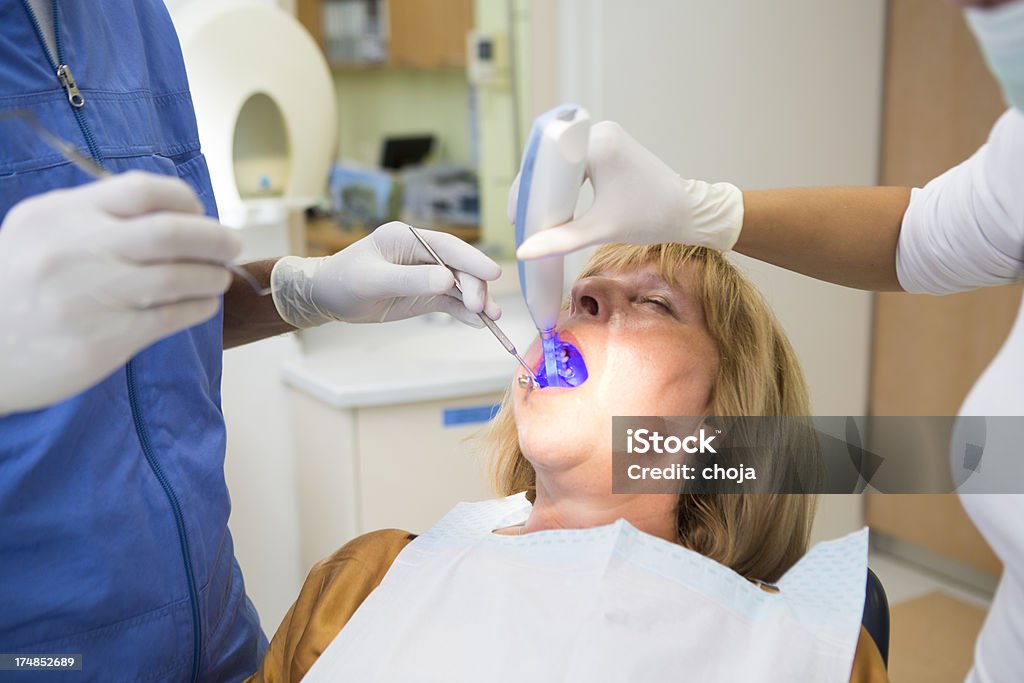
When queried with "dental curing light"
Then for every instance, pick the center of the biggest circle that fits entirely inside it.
(549, 183)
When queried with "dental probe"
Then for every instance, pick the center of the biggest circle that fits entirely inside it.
(97, 172)
(486, 319)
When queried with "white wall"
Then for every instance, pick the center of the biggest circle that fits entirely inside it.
(762, 94)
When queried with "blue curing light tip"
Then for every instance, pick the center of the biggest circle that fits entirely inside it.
(569, 368)
(550, 361)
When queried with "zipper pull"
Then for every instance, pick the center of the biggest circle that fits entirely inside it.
(68, 81)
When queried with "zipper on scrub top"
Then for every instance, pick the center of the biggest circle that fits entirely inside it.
(65, 77)
(179, 518)
(77, 102)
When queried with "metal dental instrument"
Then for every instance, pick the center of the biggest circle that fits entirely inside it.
(486, 319)
(94, 170)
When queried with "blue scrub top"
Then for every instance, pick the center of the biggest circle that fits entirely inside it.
(113, 505)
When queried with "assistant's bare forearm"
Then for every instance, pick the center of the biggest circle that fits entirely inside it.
(845, 235)
(249, 317)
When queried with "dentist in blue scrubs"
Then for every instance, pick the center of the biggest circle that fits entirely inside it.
(113, 316)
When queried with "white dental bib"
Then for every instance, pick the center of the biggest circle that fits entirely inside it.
(610, 603)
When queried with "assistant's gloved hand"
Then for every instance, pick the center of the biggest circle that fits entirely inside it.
(90, 276)
(385, 276)
(639, 200)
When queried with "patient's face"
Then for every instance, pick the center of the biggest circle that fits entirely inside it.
(648, 352)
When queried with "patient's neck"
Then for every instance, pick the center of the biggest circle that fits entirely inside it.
(559, 505)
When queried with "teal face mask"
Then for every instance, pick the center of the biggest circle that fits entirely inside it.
(1000, 32)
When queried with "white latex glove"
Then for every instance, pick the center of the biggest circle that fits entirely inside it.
(90, 276)
(385, 276)
(639, 200)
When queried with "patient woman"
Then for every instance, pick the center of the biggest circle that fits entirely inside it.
(664, 330)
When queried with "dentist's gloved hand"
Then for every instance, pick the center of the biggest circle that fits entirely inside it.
(639, 200)
(92, 275)
(385, 276)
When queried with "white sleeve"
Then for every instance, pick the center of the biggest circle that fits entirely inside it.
(965, 229)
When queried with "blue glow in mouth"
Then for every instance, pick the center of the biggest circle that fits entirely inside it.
(565, 359)
(549, 349)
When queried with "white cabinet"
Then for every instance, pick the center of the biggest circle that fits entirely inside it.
(379, 467)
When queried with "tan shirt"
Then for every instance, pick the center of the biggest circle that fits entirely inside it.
(337, 585)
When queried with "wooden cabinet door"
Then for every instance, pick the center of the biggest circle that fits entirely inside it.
(940, 103)
(422, 34)
(428, 34)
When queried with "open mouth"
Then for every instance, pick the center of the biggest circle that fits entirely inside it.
(570, 370)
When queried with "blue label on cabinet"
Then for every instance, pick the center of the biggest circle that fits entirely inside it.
(452, 417)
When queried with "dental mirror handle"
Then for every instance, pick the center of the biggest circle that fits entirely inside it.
(509, 346)
(484, 318)
(98, 172)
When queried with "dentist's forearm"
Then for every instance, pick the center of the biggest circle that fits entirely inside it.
(249, 317)
(845, 235)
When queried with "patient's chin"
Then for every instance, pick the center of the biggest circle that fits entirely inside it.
(552, 443)
(576, 473)
(572, 467)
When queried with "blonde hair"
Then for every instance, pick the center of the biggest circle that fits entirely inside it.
(758, 535)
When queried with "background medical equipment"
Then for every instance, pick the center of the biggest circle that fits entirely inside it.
(360, 196)
(486, 319)
(549, 184)
(267, 118)
(355, 31)
(398, 152)
(440, 194)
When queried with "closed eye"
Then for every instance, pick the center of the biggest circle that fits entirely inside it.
(658, 301)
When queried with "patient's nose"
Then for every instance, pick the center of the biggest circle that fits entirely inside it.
(592, 298)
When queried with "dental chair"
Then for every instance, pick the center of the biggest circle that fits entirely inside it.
(876, 615)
